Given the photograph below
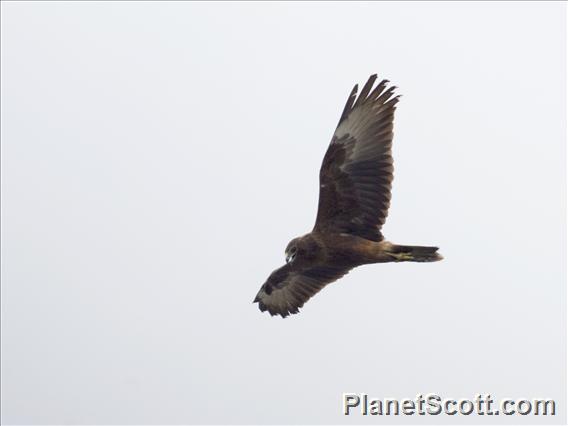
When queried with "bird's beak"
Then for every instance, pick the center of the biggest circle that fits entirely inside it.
(288, 257)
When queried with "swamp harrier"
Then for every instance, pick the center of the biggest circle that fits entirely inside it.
(355, 192)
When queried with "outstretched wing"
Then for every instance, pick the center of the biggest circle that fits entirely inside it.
(357, 170)
(288, 288)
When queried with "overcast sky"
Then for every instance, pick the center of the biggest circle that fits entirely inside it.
(158, 157)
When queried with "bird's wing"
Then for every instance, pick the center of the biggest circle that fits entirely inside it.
(289, 287)
(357, 170)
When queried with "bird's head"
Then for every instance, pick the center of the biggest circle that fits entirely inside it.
(292, 250)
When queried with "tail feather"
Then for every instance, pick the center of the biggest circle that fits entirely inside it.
(415, 254)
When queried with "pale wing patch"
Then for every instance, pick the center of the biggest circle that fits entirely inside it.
(285, 294)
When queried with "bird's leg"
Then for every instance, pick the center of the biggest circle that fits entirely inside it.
(401, 257)
(391, 253)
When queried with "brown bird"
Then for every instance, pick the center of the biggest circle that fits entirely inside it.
(355, 193)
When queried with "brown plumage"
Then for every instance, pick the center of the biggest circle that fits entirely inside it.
(355, 193)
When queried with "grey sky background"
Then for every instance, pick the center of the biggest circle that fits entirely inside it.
(158, 157)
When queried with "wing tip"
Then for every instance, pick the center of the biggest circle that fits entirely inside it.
(275, 312)
(364, 95)
(380, 94)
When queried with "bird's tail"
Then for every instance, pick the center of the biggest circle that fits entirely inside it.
(414, 253)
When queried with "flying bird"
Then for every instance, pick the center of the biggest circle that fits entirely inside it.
(355, 192)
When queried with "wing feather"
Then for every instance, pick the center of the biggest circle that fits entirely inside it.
(365, 92)
(357, 169)
(348, 104)
(287, 289)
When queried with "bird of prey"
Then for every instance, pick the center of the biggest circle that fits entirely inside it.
(355, 193)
